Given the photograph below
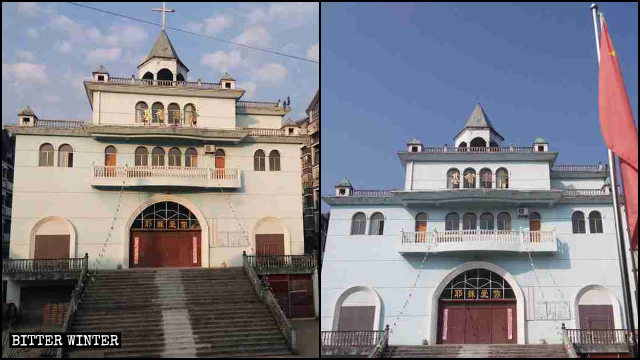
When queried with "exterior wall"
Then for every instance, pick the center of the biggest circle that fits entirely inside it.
(66, 192)
(119, 109)
(158, 64)
(373, 262)
(577, 183)
(259, 121)
(522, 175)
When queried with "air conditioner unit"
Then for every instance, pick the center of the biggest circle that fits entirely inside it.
(522, 211)
(209, 149)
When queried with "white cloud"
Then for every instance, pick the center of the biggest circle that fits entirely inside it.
(25, 55)
(28, 8)
(32, 33)
(256, 36)
(223, 61)
(290, 15)
(211, 26)
(101, 56)
(128, 35)
(314, 52)
(249, 87)
(25, 72)
(272, 73)
(62, 46)
(119, 35)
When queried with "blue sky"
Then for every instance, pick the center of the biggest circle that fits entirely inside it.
(394, 71)
(49, 48)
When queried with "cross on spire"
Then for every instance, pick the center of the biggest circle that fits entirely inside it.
(163, 10)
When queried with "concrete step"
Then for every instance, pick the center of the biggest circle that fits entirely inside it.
(141, 323)
(231, 347)
(478, 350)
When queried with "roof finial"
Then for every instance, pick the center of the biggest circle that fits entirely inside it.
(164, 10)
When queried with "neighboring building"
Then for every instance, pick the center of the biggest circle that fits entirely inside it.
(8, 149)
(311, 175)
(324, 225)
(168, 173)
(486, 243)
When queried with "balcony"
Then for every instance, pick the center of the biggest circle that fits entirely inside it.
(44, 269)
(264, 132)
(283, 264)
(165, 177)
(477, 240)
(164, 83)
(586, 192)
(587, 341)
(483, 149)
(349, 343)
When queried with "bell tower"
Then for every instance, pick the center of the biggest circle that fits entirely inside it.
(478, 131)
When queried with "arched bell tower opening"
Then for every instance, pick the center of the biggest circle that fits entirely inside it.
(478, 142)
(165, 74)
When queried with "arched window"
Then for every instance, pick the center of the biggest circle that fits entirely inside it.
(141, 107)
(486, 221)
(191, 158)
(504, 221)
(179, 77)
(469, 178)
(477, 284)
(376, 226)
(595, 222)
(157, 110)
(502, 179)
(469, 221)
(274, 160)
(157, 156)
(174, 114)
(165, 74)
(358, 309)
(452, 222)
(219, 161)
(141, 156)
(65, 156)
(258, 161)
(190, 115)
(166, 216)
(485, 178)
(453, 179)
(462, 146)
(421, 222)
(175, 156)
(110, 154)
(535, 224)
(577, 220)
(46, 155)
(358, 224)
(478, 143)
(148, 76)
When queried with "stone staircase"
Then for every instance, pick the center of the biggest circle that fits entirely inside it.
(478, 351)
(179, 313)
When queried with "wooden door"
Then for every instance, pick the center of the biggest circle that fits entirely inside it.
(477, 324)
(165, 249)
(269, 244)
(503, 329)
(421, 231)
(354, 318)
(219, 170)
(52, 247)
(110, 162)
(301, 295)
(279, 284)
(451, 323)
(534, 225)
(596, 317)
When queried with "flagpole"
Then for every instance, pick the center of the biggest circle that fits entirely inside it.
(626, 291)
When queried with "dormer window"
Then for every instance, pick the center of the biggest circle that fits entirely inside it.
(342, 191)
(100, 77)
(227, 85)
(414, 149)
(541, 148)
(25, 120)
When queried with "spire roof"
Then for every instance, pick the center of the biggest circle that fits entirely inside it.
(414, 141)
(344, 182)
(163, 48)
(27, 111)
(478, 118)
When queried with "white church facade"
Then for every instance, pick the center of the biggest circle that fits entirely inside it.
(169, 172)
(486, 243)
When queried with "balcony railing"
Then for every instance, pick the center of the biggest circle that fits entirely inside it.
(15, 266)
(149, 82)
(344, 339)
(164, 176)
(264, 132)
(371, 193)
(59, 124)
(474, 240)
(260, 105)
(599, 167)
(586, 192)
(598, 337)
(266, 264)
(443, 149)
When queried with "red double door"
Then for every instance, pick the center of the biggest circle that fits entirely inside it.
(477, 322)
(164, 249)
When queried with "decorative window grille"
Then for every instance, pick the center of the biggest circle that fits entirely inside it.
(477, 284)
(167, 216)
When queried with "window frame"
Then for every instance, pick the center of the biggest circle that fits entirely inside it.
(358, 226)
(578, 224)
(49, 157)
(65, 161)
(595, 221)
(259, 163)
(376, 226)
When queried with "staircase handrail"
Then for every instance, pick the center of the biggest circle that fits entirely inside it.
(568, 345)
(76, 295)
(382, 345)
(265, 295)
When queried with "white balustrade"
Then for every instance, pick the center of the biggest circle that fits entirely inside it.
(165, 176)
(459, 240)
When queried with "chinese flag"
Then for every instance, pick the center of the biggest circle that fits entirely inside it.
(618, 129)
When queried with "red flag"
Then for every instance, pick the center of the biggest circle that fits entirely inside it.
(618, 129)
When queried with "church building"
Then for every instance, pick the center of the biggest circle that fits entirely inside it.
(486, 243)
(169, 172)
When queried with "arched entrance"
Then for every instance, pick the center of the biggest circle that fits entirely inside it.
(478, 303)
(165, 234)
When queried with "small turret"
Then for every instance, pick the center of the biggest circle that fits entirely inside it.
(101, 74)
(26, 117)
(344, 188)
(227, 82)
(414, 145)
(540, 145)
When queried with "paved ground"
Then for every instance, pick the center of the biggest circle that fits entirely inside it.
(308, 337)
